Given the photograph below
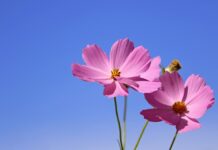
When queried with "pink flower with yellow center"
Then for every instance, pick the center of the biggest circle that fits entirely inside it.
(178, 103)
(127, 67)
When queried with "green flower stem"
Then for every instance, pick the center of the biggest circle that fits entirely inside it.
(173, 141)
(118, 122)
(141, 134)
(124, 122)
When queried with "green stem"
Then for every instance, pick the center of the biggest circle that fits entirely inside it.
(124, 122)
(141, 134)
(174, 138)
(118, 122)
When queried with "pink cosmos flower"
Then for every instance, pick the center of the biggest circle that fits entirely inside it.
(127, 67)
(179, 104)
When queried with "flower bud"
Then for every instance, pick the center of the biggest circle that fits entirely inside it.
(173, 66)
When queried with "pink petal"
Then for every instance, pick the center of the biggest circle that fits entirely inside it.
(90, 74)
(157, 114)
(120, 51)
(159, 99)
(136, 63)
(128, 82)
(187, 124)
(173, 86)
(170, 117)
(153, 71)
(193, 84)
(95, 57)
(151, 114)
(147, 86)
(199, 104)
(140, 85)
(115, 89)
(211, 103)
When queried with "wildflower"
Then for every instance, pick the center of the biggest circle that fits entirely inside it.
(179, 104)
(127, 67)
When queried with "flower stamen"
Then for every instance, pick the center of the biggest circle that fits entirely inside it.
(179, 107)
(115, 73)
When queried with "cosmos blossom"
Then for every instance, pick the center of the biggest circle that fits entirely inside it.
(179, 104)
(126, 67)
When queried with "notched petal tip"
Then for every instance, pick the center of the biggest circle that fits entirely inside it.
(211, 103)
(95, 57)
(120, 51)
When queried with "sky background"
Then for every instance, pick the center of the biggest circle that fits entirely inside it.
(43, 107)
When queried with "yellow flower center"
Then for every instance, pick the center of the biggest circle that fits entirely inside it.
(115, 73)
(179, 107)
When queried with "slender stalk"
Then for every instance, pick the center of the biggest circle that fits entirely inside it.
(124, 122)
(141, 134)
(118, 122)
(173, 141)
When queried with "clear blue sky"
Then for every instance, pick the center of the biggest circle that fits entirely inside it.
(42, 107)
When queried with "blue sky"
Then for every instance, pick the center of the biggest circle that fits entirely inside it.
(42, 107)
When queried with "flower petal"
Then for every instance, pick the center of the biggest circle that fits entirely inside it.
(170, 117)
(147, 86)
(136, 63)
(140, 85)
(193, 84)
(95, 57)
(128, 82)
(120, 51)
(211, 103)
(157, 114)
(187, 124)
(199, 104)
(151, 114)
(90, 74)
(159, 99)
(173, 86)
(153, 71)
(115, 89)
